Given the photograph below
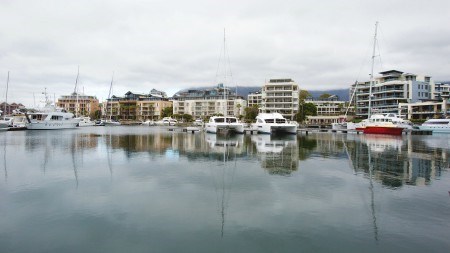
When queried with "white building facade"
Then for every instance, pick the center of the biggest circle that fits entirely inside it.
(280, 95)
(208, 102)
(389, 90)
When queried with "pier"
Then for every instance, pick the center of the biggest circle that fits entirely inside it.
(305, 131)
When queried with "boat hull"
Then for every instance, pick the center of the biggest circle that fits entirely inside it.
(217, 128)
(383, 130)
(276, 128)
(51, 125)
(436, 129)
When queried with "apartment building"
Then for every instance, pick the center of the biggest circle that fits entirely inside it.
(280, 95)
(254, 99)
(389, 90)
(136, 107)
(8, 109)
(79, 104)
(329, 110)
(202, 103)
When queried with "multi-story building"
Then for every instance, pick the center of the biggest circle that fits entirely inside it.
(280, 95)
(254, 99)
(202, 103)
(136, 107)
(79, 104)
(389, 90)
(7, 109)
(330, 110)
(442, 91)
(424, 110)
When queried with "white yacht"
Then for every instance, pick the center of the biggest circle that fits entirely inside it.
(218, 124)
(19, 121)
(148, 123)
(436, 125)
(85, 122)
(51, 118)
(268, 123)
(166, 121)
(5, 123)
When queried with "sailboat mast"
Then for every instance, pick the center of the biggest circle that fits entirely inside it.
(225, 74)
(6, 98)
(109, 96)
(371, 73)
(76, 92)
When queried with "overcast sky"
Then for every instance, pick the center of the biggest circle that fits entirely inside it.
(170, 45)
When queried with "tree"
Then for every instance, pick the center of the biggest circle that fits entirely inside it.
(325, 96)
(306, 109)
(167, 112)
(251, 113)
(304, 94)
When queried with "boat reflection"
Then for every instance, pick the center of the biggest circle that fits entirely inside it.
(277, 154)
(224, 148)
(395, 161)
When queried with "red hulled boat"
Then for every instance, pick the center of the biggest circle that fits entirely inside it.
(383, 130)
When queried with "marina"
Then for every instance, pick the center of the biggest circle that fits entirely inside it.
(175, 126)
(132, 188)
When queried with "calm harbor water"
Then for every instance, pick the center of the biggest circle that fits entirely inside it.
(145, 189)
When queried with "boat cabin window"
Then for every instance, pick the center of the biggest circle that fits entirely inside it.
(38, 116)
(231, 120)
(56, 117)
(260, 121)
(281, 120)
(219, 120)
(270, 120)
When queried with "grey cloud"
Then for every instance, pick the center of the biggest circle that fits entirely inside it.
(176, 45)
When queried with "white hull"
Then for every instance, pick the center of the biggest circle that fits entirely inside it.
(436, 129)
(269, 123)
(111, 123)
(148, 123)
(224, 127)
(269, 128)
(47, 125)
(86, 124)
(4, 126)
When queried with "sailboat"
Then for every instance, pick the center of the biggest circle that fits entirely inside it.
(379, 123)
(110, 121)
(225, 123)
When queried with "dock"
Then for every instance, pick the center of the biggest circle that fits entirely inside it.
(305, 131)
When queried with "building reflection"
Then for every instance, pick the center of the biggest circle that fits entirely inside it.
(277, 154)
(396, 160)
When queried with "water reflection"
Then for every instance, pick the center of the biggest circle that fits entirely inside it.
(396, 160)
(225, 149)
(222, 193)
(277, 154)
